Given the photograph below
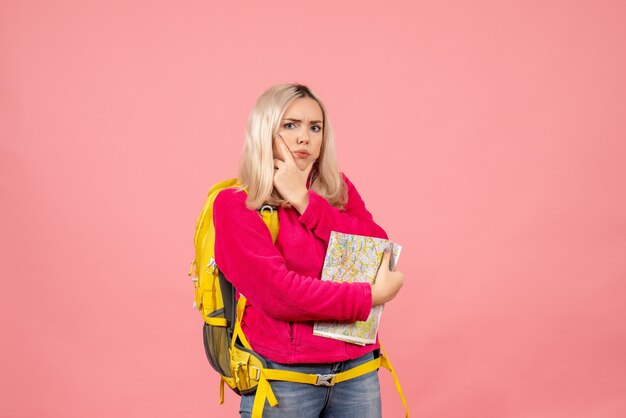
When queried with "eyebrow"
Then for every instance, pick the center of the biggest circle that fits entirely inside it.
(298, 120)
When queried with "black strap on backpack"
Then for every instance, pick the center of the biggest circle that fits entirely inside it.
(228, 298)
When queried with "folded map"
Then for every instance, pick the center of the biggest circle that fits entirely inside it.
(354, 258)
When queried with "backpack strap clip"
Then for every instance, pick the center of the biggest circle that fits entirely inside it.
(269, 214)
(267, 207)
(210, 267)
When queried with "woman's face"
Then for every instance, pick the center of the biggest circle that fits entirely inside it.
(301, 128)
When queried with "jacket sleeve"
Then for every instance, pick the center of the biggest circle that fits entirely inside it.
(322, 218)
(245, 253)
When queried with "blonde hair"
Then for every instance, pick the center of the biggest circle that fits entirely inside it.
(256, 172)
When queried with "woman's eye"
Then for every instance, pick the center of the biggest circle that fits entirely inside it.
(316, 128)
(289, 125)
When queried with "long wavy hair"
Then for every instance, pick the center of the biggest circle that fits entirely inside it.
(256, 172)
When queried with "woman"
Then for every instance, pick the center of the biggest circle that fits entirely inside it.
(289, 162)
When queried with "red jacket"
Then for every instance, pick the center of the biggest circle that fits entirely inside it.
(282, 281)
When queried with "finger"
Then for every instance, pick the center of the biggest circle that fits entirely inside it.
(384, 264)
(279, 163)
(289, 158)
(392, 264)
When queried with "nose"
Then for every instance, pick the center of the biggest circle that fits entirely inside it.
(303, 137)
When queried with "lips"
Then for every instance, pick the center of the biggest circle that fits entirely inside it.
(301, 153)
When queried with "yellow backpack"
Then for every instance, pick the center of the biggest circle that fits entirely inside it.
(225, 344)
(226, 347)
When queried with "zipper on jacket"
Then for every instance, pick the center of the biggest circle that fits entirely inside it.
(291, 331)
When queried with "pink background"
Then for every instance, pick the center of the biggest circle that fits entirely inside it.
(487, 137)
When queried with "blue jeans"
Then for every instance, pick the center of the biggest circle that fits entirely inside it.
(354, 398)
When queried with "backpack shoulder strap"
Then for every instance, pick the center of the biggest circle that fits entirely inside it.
(270, 218)
(267, 212)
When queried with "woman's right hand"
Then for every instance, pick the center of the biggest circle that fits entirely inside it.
(388, 283)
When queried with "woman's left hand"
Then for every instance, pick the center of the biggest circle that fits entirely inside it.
(289, 179)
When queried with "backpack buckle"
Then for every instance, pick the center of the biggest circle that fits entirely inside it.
(257, 374)
(325, 380)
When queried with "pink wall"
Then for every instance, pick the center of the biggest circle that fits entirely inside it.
(488, 138)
